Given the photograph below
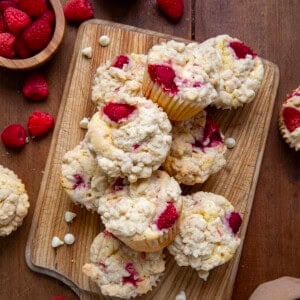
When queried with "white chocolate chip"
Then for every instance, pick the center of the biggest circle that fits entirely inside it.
(56, 242)
(230, 142)
(84, 123)
(69, 216)
(69, 239)
(181, 296)
(87, 52)
(104, 40)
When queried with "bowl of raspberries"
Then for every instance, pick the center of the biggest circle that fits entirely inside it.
(30, 32)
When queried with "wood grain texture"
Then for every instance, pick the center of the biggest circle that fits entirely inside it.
(237, 181)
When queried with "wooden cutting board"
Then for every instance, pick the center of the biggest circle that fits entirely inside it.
(237, 181)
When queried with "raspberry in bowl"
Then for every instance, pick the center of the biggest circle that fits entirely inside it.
(32, 34)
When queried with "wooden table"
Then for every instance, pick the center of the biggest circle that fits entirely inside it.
(272, 28)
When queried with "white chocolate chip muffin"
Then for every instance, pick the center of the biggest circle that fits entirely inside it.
(240, 71)
(197, 150)
(82, 178)
(176, 80)
(14, 202)
(207, 235)
(289, 120)
(120, 271)
(145, 215)
(130, 137)
(124, 74)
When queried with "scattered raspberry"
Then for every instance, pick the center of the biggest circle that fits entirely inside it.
(235, 221)
(48, 17)
(33, 8)
(16, 20)
(117, 185)
(172, 8)
(22, 51)
(35, 87)
(79, 182)
(164, 76)
(4, 4)
(118, 111)
(78, 10)
(38, 35)
(291, 118)
(2, 25)
(133, 277)
(39, 123)
(241, 50)
(212, 133)
(168, 217)
(14, 136)
(136, 146)
(120, 61)
(7, 45)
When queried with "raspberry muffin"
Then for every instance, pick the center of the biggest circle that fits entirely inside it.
(197, 150)
(130, 137)
(289, 120)
(240, 71)
(144, 216)
(176, 80)
(124, 74)
(208, 233)
(14, 202)
(82, 178)
(120, 271)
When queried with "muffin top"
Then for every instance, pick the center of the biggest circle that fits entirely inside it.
(120, 271)
(130, 136)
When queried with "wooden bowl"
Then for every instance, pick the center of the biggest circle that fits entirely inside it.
(44, 55)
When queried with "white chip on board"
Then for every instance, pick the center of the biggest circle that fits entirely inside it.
(230, 142)
(104, 40)
(181, 296)
(69, 239)
(69, 216)
(84, 123)
(87, 52)
(56, 242)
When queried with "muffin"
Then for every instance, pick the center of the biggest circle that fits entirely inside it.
(124, 74)
(82, 178)
(145, 214)
(120, 271)
(240, 71)
(197, 150)
(130, 137)
(14, 202)
(289, 120)
(176, 80)
(207, 236)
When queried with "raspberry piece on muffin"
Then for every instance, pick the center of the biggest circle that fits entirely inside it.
(207, 234)
(289, 120)
(197, 150)
(120, 271)
(144, 215)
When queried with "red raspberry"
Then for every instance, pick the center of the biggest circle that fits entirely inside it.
(118, 111)
(39, 123)
(35, 87)
(2, 25)
(38, 35)
(22, 51)
(291, 118)
(48, 16)
(4, 4)
(120, 61)
(133, 277)
(16, 20)
(33, 8)
(235, 222)
(78, 10)
(79, 182)
(14, 136)
(7, 45)
(241, 50)
(117, 185)
(168, 217)
(172, 8)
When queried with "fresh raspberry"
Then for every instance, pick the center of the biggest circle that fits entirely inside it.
(168, 217)
(133, 277)
(241, 50)
(172, 8)
(48, 17)
(120, 61)
(78, 10)
(291, 118)
(35, 87)
(16, 20)
(117, 185)
(4, 4)
(118, 111)
(14, 136)
(2, 25)
(38, 35)
(164, 76)
(7, 45)
(39, 123)
(33, 8)
(79, 182)
(235, 221)
(22, 51)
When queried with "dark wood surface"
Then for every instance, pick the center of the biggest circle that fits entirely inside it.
(272, 28)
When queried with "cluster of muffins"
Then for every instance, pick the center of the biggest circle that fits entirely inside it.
(149, 135)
